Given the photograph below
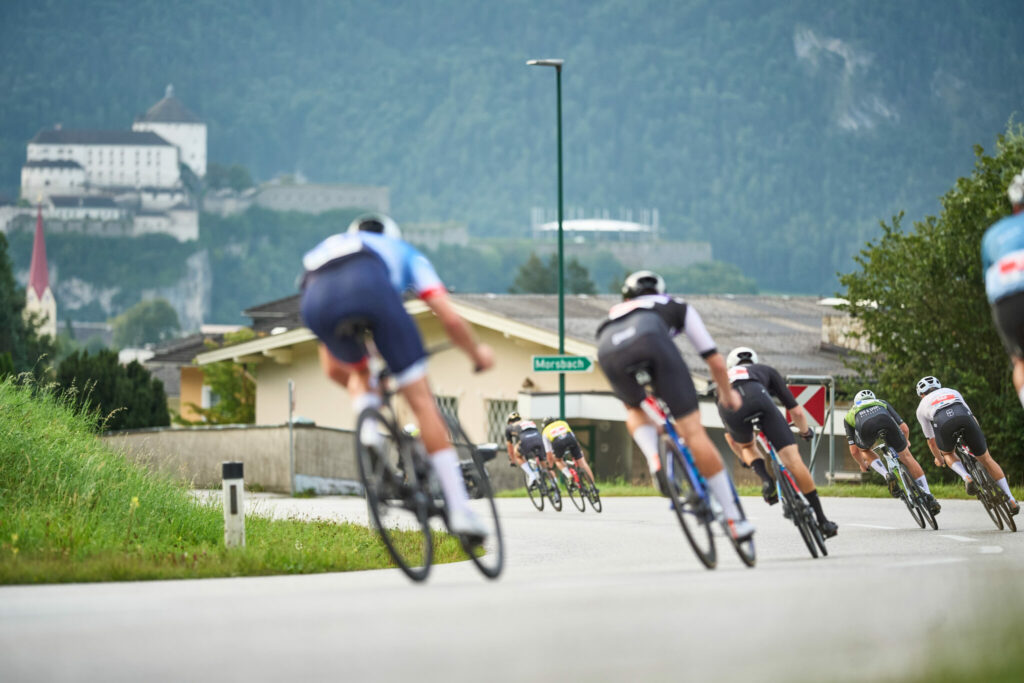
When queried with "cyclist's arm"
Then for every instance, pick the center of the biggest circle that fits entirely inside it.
(906, 431)
(934, 448)
(799, 418)
(458, 331)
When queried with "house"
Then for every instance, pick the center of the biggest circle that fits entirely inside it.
(787, 331)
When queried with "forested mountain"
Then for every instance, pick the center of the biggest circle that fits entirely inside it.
(781, 132)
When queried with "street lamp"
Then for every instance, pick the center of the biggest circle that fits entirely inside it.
(557, 64)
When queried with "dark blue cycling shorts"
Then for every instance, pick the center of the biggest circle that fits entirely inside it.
(357, 289)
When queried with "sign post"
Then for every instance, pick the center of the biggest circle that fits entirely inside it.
(234, 504)
(809, 392)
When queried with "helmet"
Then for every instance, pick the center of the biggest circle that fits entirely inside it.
(412, 429)
(642, 282)
(741, 354)
(863, 395)
(1016, 190)
(378, 223)
(927, 385)
(514, 416)
(547, 421)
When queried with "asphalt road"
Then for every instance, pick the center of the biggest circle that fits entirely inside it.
(602, 597)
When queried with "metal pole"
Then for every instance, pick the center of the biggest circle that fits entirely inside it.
(831, 426)
(291, 437)
(561, 255)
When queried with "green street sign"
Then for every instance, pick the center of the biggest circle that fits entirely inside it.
(562, 364)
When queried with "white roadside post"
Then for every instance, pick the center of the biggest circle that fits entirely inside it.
(234, 505)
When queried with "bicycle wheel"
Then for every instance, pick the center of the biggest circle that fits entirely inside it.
(908, 497)
(554, 493)
(395, 496)
(535, 492)
(745, 549)
(1004, 511)
(575, 494)
(490, 556)
(984, 482)
(590, 490)
(798, 511)
(691, 510)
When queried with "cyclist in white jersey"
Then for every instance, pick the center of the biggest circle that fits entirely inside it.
(942, 413)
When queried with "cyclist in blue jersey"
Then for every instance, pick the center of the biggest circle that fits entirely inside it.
(1002, 259)
(355, 280)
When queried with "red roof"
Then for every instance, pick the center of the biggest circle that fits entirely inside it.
(39, 273)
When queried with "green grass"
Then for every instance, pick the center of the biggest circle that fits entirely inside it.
(71, 509)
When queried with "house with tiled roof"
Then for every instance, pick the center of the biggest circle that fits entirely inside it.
(173, 121)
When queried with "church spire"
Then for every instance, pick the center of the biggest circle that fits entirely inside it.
(39, 273)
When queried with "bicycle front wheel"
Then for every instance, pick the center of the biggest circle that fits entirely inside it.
(691, 510)
(574, 492)
(798, 510)
(395, 495)
(535, 492)
(590, 490)
(489, 557)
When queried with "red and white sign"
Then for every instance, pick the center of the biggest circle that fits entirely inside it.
(812, 398)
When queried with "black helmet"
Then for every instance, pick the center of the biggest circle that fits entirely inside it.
(642, 282)
(378, 223)
(514, 416)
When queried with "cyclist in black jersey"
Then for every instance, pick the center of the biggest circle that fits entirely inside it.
(523, 440)
(640, 330)
(757, 383)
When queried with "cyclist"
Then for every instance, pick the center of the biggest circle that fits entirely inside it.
(942, 413)
(640, 329)
(355, 280)
(1002, 259)
(865, 421)
(561, 443)
(757, 383)
(523, 440)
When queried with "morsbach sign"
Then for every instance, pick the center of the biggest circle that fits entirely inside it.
(562, 364)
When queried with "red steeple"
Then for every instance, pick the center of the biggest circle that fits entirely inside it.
(39, 273)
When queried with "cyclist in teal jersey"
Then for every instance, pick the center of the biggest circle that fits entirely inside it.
(1002, 260)
(865, 422)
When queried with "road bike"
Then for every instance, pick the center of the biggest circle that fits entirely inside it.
(403, 496)
(580, 487)
(678, 478)
(910, 492)
(992, 498)
(545, 486)
(794, 505)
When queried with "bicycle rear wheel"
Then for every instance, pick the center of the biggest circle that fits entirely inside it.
(908, 496)
(396, 498)
(798, 511)
(691, 510)
(554, 493)
(590, 490)
(535, 492)
(745, 549)
(985, 485)
(489, 557)
(575, 494)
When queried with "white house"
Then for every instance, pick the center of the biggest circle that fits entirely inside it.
(171, 120)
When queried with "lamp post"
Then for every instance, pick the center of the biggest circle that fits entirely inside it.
(557, 64)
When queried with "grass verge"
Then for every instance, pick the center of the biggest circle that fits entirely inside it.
(71, 509)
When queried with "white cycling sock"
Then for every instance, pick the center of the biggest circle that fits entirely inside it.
(646, 437)
(877, 466)
(922, 481)
(1006, 488)
(958, 467)
(369, 433)
(526, 468)
(722, 491)
(446, 466)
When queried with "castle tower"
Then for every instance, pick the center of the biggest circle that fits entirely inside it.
(171, 120)
(39, 297)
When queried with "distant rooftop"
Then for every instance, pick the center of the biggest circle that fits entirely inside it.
(60, 136)
(169, 110)
(53, 163)
(595, 225)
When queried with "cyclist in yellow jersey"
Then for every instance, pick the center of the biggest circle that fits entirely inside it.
(560, 442)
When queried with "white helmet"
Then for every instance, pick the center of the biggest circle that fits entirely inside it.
(1016, 190)
(927, 384)
(863, 395)
(741, 354)
(378, 223)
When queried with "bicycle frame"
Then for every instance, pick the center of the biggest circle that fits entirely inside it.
(769, 450)
(653, 407)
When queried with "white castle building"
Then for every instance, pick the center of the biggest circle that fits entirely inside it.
(139, 170)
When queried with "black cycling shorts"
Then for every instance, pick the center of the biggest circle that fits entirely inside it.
(948, 421)
(871, 428)
(642, 341)
(1008, 315)
(756, 399)
(531, 444)
(566, 446)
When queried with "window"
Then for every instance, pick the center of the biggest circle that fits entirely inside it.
(497, 418)
(449, 405)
